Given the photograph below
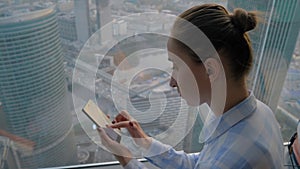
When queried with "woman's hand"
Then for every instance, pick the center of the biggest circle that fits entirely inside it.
(124, 120)
(122, 154)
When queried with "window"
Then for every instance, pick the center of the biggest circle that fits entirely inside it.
(37, 102)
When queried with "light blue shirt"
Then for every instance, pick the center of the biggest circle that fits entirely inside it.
(248, 136)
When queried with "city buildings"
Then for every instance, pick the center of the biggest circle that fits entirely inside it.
(91, 17)
(32, 86)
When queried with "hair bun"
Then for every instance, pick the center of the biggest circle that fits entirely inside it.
(243, 20)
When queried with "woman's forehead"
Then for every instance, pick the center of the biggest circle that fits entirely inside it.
(173, 57)
(178, 57)
(172, 43)
(174, 50)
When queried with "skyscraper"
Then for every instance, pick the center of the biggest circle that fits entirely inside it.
(274, 42)
(104, 17)
(32, 86)
(82, 19)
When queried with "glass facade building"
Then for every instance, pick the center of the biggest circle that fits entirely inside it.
(274, 43)
(32, 87)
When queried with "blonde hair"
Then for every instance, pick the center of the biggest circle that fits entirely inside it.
(227, 32)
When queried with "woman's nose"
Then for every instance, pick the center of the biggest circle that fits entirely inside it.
(173, 82)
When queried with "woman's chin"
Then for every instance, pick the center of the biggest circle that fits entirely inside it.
(191, 102)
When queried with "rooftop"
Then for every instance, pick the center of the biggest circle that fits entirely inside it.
(20, 13)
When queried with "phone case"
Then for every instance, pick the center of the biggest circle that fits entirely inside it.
(101, 120)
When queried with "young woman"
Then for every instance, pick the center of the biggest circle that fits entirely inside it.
(248, 134)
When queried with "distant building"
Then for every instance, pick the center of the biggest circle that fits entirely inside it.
(152, 22)
(274, 43)
(32, 86)
(104, 17)
(65, 6)
(67, 26)
(91, 17)
(119, 28)
(82, 16)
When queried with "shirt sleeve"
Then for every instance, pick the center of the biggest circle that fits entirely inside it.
(164, 156)
(135, 164)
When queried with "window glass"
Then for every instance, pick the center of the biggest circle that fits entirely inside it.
(42, 42)
(288, 106)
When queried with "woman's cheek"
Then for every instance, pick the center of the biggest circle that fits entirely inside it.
(188, 87)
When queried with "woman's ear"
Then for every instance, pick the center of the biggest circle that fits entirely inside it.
(213, 68)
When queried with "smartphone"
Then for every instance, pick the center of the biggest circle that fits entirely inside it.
(101, 120)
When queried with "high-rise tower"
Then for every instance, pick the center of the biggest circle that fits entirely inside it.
(82, 19)
(273, 42)
(32, 86)
(104, 17)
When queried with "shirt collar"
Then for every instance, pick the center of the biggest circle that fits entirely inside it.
(234, 115)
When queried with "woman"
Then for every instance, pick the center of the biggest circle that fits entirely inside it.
(248, 134)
